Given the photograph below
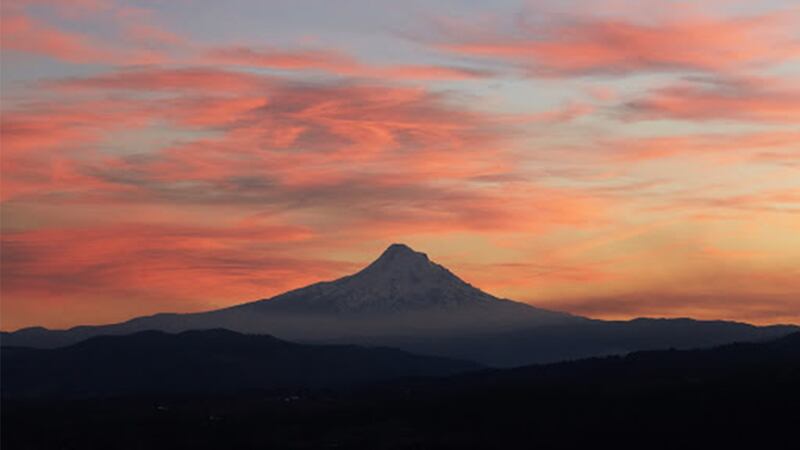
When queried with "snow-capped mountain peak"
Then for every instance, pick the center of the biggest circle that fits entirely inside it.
(401, 279)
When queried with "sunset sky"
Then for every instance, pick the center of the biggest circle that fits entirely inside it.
(608, 158)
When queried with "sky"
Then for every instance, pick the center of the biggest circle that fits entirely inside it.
(609, 158)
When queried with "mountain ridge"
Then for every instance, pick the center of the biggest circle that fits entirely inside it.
(202, 361)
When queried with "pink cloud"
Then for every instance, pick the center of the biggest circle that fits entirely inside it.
(337, 63)
(135, 37)
(22, 33)
(59, 275)
(754, 99)
(378, 144)
(187, 80)
(44, 144)
(586, 45)
(721, 146)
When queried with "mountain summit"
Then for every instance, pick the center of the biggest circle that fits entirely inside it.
(400, 254)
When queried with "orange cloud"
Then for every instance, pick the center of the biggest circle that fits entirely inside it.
(759, 308)
(765, 201)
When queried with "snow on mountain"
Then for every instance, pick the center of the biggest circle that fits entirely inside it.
(402, 289)
(401, 279)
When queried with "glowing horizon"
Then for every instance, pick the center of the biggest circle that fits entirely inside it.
(612, 159)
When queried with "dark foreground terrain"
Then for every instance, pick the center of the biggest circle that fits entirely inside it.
(735, 396)
(206, 361)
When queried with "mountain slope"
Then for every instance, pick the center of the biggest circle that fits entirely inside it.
(203, 362)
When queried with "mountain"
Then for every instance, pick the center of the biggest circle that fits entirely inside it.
(401, 280)
(203, 362)
(735, 396)
(402, 293)
(405, 300)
